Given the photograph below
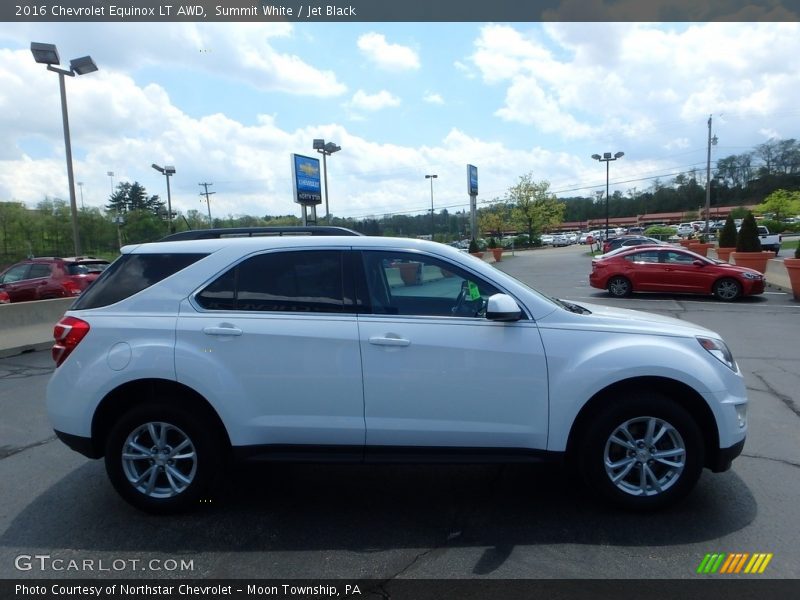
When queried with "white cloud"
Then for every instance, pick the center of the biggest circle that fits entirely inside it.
(391, 57)
(433, 98)
(634, 81)
(373, 102)
(243, 52)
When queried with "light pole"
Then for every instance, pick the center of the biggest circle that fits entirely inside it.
(326, 150)
(80, 185)
(607, 158)
(431, 177)
(167, 170)
(47, 54)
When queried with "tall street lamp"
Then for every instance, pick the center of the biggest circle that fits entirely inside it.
(431, 177)
(167, 171)
(47, 54)
(607, 158)
(326, 150)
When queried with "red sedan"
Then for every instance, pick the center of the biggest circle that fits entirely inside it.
(672, 270)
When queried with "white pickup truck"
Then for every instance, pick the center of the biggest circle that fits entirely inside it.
(769, 241)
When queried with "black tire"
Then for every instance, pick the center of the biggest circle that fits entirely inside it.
(619, 286)
(140, 447)
(727, 289)
(667, 477)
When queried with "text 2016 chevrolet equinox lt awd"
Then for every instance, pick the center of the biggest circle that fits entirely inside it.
(185, 354)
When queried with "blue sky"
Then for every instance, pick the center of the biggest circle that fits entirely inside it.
(228, 103)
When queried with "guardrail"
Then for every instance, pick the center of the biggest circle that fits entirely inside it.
(28, 326)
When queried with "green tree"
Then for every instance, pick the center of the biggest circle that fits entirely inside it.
(727, 236)
(780, 204)
(133, 196)
(143, 226)
(493, 220)
(747, 240)
(533, 207)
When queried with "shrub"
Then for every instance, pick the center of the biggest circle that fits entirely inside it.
(747, 240)
(492, 243)
(797, 250)
(659, 232)
(473, 247)
(727, 235)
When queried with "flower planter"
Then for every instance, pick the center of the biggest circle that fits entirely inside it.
(724, 254)
(752, 260)
(410, 272)
(793, 269)
(477, 254)
(685, 243)
(701, 248)
(498, 254)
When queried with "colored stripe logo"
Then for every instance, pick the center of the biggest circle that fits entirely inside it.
(733, 563)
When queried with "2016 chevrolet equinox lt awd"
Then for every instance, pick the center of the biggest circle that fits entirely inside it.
(185, 354)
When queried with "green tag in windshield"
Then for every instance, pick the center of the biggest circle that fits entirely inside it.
(474, 292)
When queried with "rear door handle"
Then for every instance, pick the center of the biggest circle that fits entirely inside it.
(222, 331)
(389, 341)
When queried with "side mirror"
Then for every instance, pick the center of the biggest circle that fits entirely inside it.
(502, 307)
(698, 263)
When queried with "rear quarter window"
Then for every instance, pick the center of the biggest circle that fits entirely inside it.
(130, 274)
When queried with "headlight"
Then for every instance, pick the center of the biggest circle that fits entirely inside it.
(718, 350)
(753, 276)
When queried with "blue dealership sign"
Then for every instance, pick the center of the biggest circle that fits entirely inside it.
(472, 180)
(306, 180)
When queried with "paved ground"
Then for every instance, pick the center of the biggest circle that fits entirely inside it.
(422, 522)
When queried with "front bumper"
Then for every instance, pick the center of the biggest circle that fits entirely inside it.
(82, 445)
(722, 461)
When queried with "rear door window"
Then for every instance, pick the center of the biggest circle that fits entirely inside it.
(39, 270)
(130, 274)
(297, 281)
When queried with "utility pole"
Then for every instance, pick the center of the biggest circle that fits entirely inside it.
(208, 202)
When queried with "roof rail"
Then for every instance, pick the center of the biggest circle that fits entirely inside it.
(232, 232)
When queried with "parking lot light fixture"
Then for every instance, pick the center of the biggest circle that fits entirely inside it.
(326, 149)
(47, 54)
(607, 158)
(167, 171)
(431, 177)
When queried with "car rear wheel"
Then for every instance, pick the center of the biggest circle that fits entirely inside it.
(727, 289)
(162, 459)
(643, 453)
(619, 287)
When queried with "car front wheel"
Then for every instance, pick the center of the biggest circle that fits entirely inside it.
(643, 453)
(162, 459)
(727, 289)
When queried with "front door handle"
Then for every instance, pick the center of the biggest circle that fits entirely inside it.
(389, 340)
(222, 331)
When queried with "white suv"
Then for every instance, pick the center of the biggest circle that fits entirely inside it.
(185, 354)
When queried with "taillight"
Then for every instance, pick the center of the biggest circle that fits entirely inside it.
(72, 287)
(68, 333)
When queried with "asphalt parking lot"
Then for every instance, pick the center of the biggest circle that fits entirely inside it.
(399, 522)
